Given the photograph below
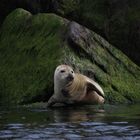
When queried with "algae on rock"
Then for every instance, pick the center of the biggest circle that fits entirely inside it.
(118, 21)
(31, 46)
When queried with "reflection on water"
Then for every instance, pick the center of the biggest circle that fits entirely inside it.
(88, 122)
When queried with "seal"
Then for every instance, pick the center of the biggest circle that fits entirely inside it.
(74, 88)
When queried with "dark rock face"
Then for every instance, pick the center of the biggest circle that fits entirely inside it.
(32, 46)
(116, 20)
(114, 67)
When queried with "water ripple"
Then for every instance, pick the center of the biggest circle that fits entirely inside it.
(71, 125)
(71, 131)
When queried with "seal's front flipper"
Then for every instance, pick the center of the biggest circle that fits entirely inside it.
(51, 102)
(93, 86)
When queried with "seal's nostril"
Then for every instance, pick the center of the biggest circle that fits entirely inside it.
(70, 77)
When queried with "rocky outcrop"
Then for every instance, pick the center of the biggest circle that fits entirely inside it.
(116, 20)
(31, 46)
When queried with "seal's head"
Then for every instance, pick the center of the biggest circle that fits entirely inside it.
(64, 74)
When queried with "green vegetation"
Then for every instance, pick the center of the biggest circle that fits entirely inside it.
(29, 50)
(114, 71)
(118, 21)
(31, 46)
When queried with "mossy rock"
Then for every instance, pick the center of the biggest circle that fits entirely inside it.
(118, 21)
(31, 46)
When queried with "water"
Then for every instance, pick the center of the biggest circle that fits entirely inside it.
(71, 123)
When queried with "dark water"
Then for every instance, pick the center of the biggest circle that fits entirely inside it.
(87, 123)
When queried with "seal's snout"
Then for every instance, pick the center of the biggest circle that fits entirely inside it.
(70, 77)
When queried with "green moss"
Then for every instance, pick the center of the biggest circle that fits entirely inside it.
(28, 55)
(114, 71)
(117, 21)
(32, 46)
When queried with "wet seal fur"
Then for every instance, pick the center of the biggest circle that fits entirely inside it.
(73, 88)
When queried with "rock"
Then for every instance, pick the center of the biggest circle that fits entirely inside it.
(116, 20)
(31, 46)
(34, 6)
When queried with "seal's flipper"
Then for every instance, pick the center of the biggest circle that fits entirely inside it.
(92, 85)
(51, 102)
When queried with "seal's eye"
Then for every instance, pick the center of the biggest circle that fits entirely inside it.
(71, 71)
(62, 71)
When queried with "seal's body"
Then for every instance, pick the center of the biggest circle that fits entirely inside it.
(70, 88)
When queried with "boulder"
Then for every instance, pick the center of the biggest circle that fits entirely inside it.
(32, 46)
(116, 20)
